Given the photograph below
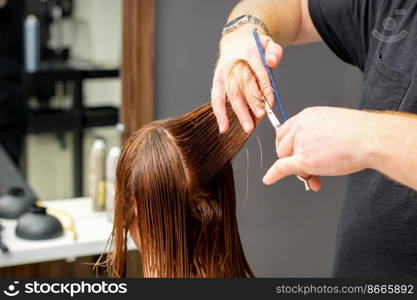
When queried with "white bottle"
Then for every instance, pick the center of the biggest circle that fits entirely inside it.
(97, 184)
(111, 165)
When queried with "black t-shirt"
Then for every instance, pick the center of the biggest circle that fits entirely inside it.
(377, 232)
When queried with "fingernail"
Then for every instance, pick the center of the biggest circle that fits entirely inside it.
(246, 126)
(260, 112)
(221, 128)
(271, 58)
(265, 180)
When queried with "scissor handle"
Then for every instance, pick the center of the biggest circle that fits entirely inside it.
(281, 109)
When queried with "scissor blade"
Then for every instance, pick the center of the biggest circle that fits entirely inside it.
(276, 124)
(272, 117)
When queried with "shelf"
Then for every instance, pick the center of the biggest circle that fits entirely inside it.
(93, 230)
(53, 121)
(100, 116)
(79, 117)
(58, 121)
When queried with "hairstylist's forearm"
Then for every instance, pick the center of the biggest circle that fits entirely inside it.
(331, 141)
(288, 21)
(393, 147)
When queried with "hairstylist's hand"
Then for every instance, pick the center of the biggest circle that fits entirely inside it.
(235, 46)
(323, 141)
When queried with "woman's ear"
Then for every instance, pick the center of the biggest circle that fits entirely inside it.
(134, 229)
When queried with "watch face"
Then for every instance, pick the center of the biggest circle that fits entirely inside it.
(3, 3)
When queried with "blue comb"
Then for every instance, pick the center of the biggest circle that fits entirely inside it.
(281, 109)
(282, 112)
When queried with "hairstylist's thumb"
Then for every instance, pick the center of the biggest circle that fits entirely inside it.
(282, 168)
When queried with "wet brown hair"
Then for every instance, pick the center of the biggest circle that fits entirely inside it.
(175, 180)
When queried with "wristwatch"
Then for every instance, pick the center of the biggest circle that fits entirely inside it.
(242, 20)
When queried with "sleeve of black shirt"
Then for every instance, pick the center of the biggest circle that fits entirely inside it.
(346, 26)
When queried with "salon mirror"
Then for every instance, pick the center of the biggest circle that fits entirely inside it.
(59, 89)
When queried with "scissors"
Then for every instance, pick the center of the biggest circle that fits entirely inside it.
(281, 109)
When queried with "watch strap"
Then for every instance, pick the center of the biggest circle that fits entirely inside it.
(242, 20)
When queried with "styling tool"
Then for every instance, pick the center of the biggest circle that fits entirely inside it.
(281, 109)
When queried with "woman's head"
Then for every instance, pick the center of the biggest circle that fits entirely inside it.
(175, 189)
(175, 194)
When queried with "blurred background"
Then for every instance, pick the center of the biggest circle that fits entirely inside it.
(60, 120)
